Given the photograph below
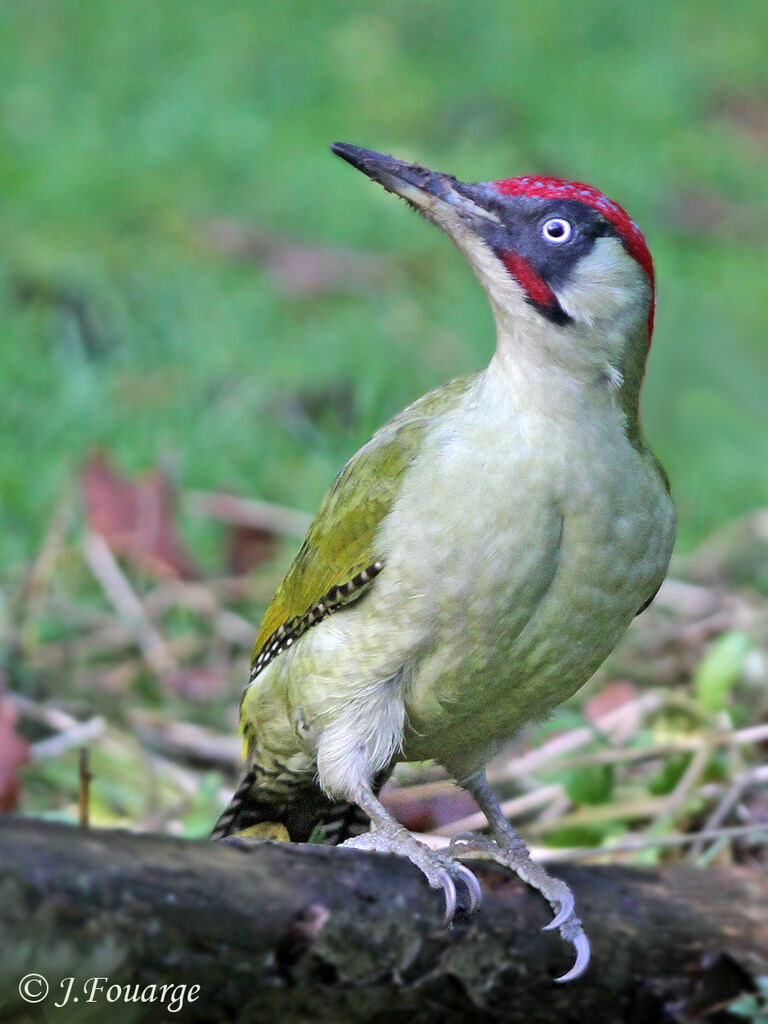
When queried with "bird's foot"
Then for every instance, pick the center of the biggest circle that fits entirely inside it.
(513, 853)
(441, 872)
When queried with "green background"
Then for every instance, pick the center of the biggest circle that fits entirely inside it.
(129, 128)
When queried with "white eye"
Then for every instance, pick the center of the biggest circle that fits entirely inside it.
(556, 230)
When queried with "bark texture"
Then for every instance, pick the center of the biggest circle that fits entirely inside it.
(282, 933)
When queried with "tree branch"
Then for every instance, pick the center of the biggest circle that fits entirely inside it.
(306, 933)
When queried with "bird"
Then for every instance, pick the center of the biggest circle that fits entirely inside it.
(477, 560)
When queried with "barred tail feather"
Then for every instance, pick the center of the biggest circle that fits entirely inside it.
(307, 813)
(228, 821)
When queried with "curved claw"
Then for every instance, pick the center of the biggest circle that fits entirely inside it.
(583, 954)
(472, 884)
(450, 896)
(567, 908)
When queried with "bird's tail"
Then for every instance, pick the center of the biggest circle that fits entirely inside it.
(288, 810)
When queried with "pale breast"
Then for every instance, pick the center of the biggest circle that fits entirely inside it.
(545, 552)
(516, 553)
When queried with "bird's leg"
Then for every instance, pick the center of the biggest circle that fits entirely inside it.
(508, 848)
(389, 836)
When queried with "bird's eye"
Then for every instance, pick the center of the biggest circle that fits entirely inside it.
(556, 230)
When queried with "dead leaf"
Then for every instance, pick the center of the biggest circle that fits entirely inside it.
(248, 547)
(14, 752)
(426, 814)
(137, 518)
(611, 697)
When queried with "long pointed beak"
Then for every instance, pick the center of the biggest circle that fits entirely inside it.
(437, 195)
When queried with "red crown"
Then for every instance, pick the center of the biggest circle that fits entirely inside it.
(557, 188)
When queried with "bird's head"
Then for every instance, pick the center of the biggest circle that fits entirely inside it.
(567, 271)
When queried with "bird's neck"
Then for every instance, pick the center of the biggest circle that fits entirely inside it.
(576, 372)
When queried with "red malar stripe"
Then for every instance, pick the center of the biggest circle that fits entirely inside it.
(535, 286)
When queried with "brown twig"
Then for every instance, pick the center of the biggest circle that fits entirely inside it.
(117, 588)
(79, 733)
(84, 788)
(187, 741)
(261, 515)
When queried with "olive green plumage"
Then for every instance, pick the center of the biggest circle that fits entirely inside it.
(342, 540)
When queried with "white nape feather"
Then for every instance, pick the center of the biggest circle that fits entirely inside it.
(615, 377)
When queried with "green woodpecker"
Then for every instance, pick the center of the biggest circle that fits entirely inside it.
(476, 561)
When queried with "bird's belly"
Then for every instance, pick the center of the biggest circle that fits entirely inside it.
(510, 574)
(546, 605)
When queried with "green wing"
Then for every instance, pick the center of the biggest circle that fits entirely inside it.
(341, 543)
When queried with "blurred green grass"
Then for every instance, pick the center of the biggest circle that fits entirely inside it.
(126, 128)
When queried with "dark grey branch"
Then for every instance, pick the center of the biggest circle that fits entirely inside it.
(298, 933)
